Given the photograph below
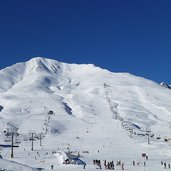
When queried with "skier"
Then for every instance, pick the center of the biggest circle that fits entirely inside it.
(133, 163)
(100, 165)
(105, 164)
(112, 165)
(138, 163)
(52, 166)
(122, 166)
(84, 166)
(108, 165)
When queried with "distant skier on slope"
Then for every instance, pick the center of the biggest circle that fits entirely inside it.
(84, 166)
(52, 166)
(122, 166)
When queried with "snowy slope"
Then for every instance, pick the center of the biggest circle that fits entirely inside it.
(95, 110)
(11, 165)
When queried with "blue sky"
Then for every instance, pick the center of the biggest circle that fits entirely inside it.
(118, 35)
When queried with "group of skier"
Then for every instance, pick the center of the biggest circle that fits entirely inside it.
(165, 165)
(108, 165)
(97, 163)
(138, 163)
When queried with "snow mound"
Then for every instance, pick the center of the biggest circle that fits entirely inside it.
(11, 165)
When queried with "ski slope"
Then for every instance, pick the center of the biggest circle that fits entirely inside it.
(11, 165)
(96, 113)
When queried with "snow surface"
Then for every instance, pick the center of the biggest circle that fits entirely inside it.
(96, 113)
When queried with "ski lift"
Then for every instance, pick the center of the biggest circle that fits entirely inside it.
(166, 139)
(7, 139)
(50, 112)
(158, 138)
(152, 135)
(17, 141)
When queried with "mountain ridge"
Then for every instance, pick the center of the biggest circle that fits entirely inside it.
(53, 77)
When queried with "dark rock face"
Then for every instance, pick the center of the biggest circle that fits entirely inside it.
(165, 85)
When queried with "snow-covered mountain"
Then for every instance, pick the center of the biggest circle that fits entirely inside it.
(80, 91)
(92, 109)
